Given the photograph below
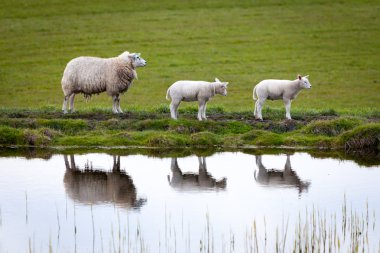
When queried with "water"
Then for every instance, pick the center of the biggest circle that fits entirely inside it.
(225, 202)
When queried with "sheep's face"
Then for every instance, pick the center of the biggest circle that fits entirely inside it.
(137, 61)
(304, 82)
(221, 88)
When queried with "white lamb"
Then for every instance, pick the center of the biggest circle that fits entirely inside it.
(200, 91)
(278, 89)
(93, 75)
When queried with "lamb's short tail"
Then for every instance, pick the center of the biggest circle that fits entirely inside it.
(168, 95)
(254, 94)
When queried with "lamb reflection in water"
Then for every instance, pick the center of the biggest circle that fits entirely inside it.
(202, 181)
(93, 186)
(279, 178)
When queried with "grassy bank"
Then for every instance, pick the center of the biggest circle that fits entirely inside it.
(154, 128)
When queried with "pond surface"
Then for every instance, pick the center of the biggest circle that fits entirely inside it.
(225, 202)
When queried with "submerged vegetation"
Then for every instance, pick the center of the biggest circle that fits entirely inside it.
(313, 230)
(154, 128)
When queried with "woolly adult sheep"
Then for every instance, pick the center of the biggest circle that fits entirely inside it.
(93, 75)
(200, 91)
(278, 89)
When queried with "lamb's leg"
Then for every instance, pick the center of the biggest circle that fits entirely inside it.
(259, 104)
(114, 107)
(255, 111)
(176, 111)
(174, 108)
(204, 112)
(72, 102)
(118, 104)
(201, 107)
(287, 103)
(64, 106)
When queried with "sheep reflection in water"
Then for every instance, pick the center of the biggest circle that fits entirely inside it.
(93, 186)
(279, 178)
(191, 181)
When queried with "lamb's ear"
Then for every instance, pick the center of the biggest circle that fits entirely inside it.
(299, 77)
(138, 54)
(226, 83)
(217, 80)
(306, 76)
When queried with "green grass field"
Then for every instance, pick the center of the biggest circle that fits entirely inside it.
(336, 42)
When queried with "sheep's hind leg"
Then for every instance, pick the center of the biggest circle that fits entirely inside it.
(255, 110)
(259, 107)
(174, 108)
(72, 102)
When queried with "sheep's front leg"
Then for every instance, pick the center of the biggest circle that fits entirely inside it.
(72, 102)
(204, 111)
(258, 108)
(174, 108)
(118, 104)
(64, 106)
(201, 108)
(114, 107)
(287, 103)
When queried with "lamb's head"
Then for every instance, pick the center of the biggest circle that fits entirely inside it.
(220, 87)
(304, 82)
(136, 60)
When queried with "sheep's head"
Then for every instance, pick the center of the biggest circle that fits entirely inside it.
(133, 58)
(136, 60)
(220, 87)
(304, 82)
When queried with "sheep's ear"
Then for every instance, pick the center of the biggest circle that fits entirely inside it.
(217, 80)
(306, 76)
(138, 54)
(299, 77)
(226, 83)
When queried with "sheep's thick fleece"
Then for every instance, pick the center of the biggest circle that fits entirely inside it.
(91, 75)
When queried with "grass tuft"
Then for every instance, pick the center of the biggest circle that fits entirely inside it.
(253, 135)
(160, 139)
(69, 126)
(332, 127)
(362, 137)
(149, 124)
(10, 136)
(35, 138)
(205, 139)
(162, 108)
